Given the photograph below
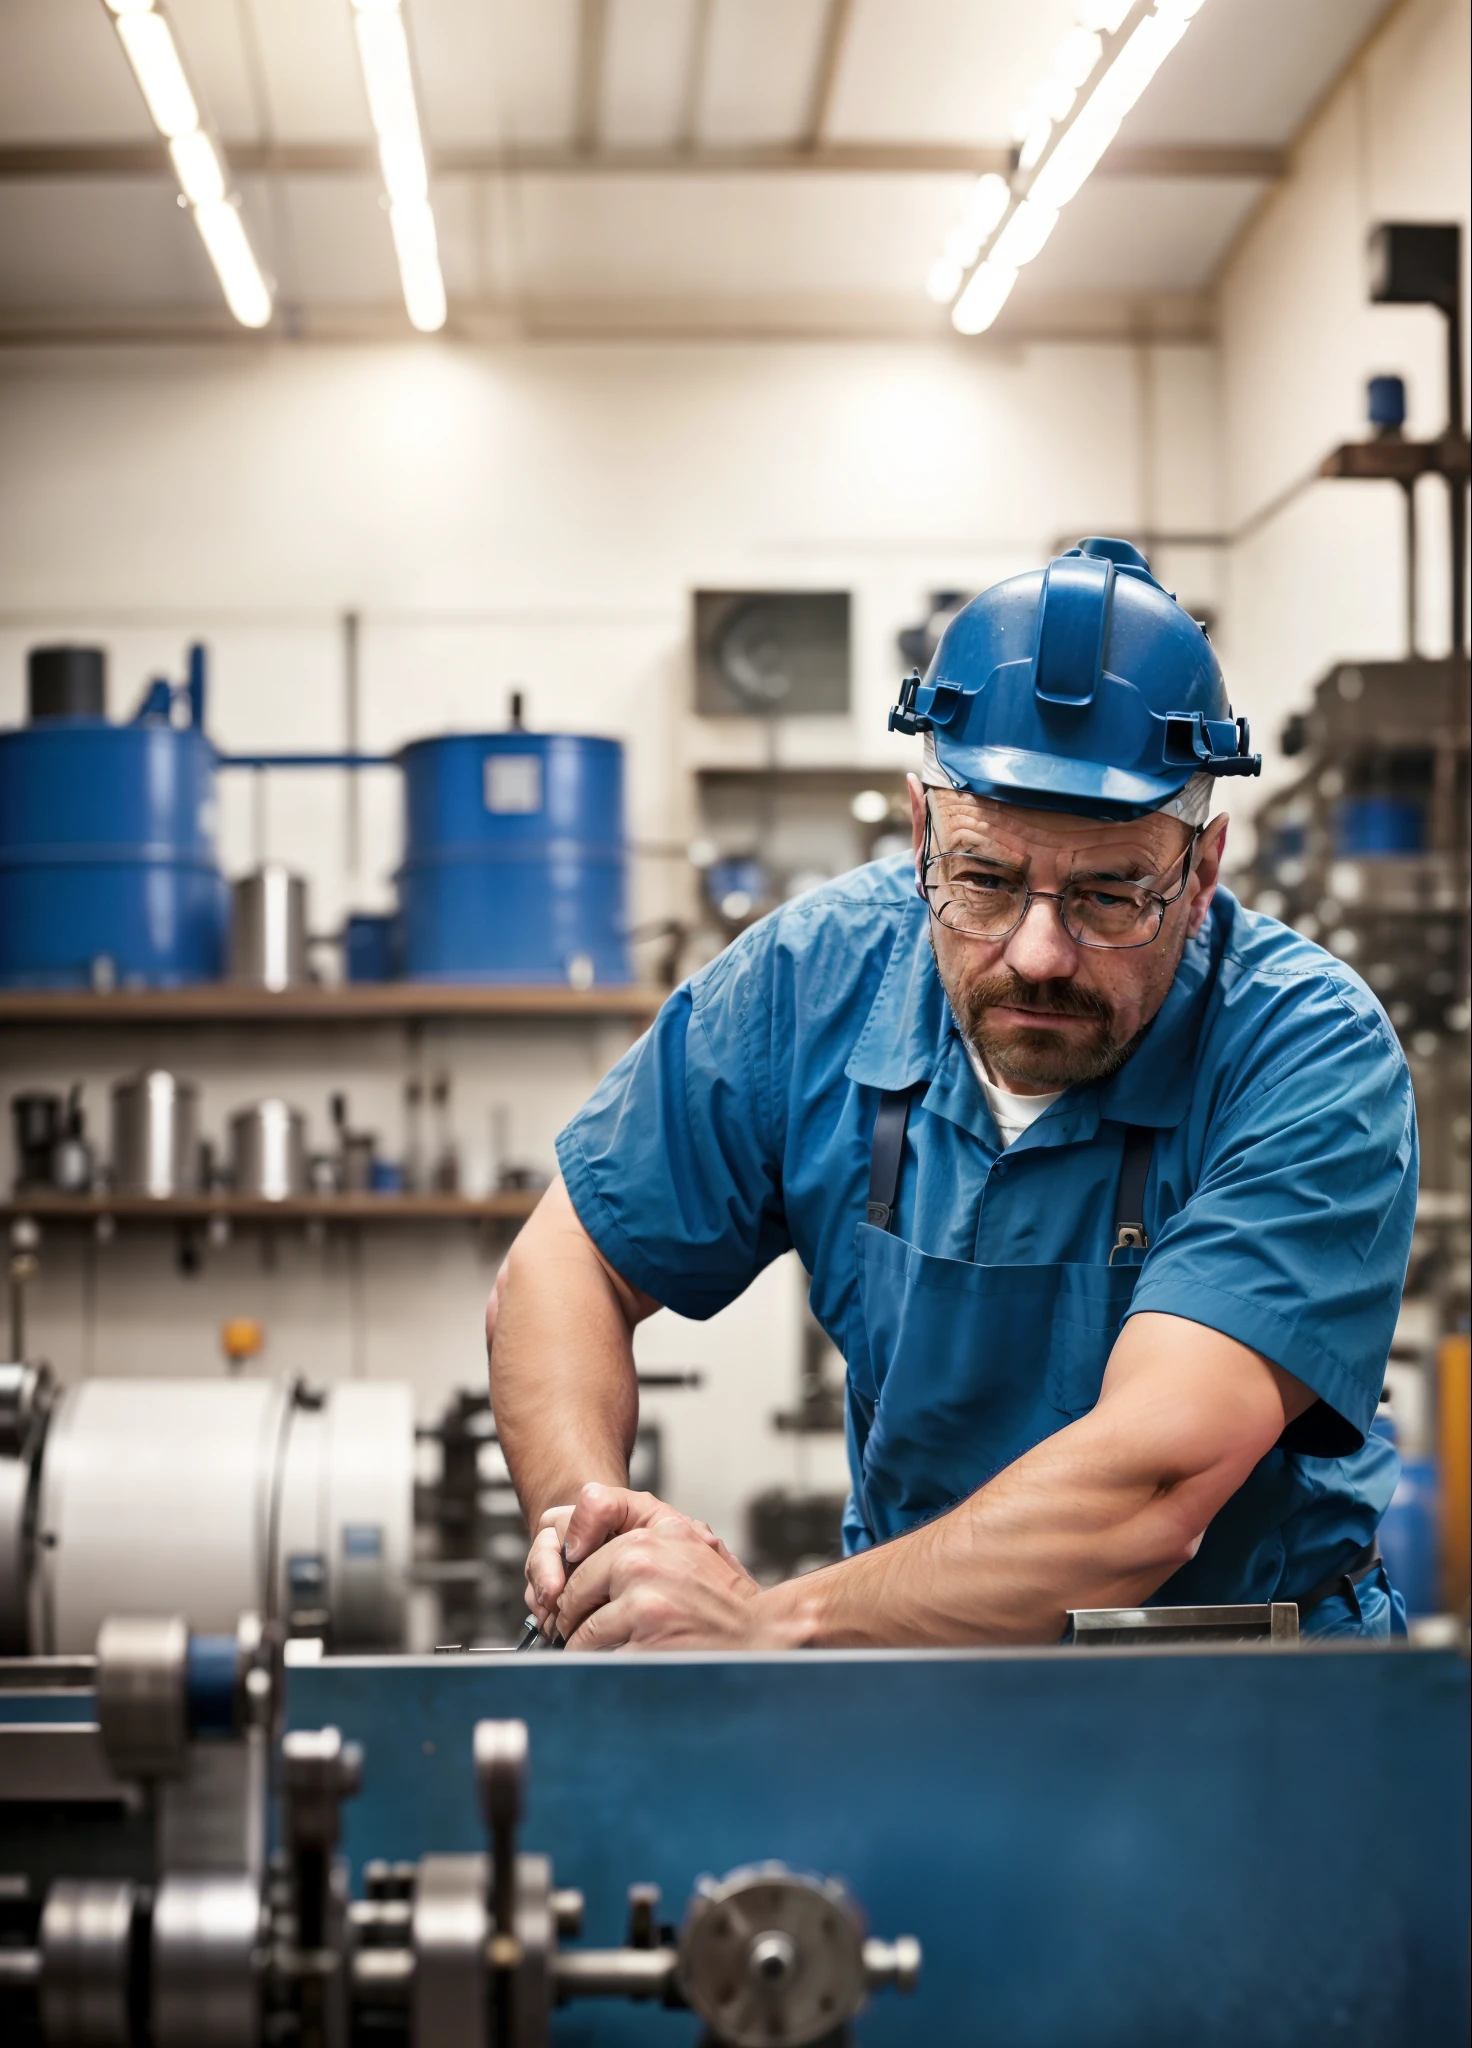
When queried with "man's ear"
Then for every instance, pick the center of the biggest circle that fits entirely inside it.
(1207, 871)
(917, 822)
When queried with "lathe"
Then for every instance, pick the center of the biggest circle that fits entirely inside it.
(223, 1842)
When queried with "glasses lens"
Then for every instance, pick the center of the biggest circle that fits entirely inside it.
(973, 899)
(1113, 915)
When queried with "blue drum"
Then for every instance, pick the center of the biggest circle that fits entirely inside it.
(515, 862)
(108, 869)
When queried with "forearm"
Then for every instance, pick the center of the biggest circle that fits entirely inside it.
(563, 1385)
(1058, 1529)
(1098, 1515)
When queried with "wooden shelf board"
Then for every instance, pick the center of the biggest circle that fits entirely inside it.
(515, 1206)
(348, 1003)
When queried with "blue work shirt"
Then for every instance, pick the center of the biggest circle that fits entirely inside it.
(1279, 1208)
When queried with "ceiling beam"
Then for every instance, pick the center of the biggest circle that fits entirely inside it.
(314, 159)
(830, 56)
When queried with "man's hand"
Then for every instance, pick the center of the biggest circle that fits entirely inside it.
(599, 1516)
(667, 1584)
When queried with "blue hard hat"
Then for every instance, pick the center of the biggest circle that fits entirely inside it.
(1080, 687)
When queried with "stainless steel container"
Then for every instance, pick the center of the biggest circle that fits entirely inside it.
(155, 1135)
(268, 1151)
(268, 929)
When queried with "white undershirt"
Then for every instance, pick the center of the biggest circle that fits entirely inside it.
(1011, 1113)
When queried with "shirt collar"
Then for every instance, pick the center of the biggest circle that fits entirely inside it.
(905, 1034)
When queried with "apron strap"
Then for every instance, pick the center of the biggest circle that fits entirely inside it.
(1345, 1580)
(886, 1157)
(1129, 1203)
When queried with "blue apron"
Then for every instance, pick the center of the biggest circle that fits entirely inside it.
(929, 1421)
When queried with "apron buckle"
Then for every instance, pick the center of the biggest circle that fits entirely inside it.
(1131, 1238)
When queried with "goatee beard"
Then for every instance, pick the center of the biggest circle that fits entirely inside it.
(1043, 1058)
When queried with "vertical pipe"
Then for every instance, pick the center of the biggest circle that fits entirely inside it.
(1412, 571)
(1456, 486)
(352, 727)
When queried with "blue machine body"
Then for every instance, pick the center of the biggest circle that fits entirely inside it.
(514, 859)
(1256, 1848)
(108, 868)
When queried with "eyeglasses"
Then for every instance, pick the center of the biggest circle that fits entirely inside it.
(968, 893)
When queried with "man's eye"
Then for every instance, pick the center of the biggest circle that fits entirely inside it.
(1099, 897)
(980, 879)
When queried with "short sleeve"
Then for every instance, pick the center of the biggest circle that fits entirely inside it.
(672, 1164)
(1296, 1237)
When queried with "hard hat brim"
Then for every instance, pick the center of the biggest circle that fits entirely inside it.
(1052, 782)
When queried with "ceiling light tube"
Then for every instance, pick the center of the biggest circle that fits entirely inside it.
(417, 248)
(1024, 235)
(199, 162)
(983, 298)
(223, 234)
(149, 43)
(1071, 126)
(198, 168)
(388, 80)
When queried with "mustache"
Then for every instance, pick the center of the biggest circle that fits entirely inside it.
(1050, 998)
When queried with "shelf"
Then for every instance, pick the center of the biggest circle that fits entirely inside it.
(348, 1003)
(504, 1208)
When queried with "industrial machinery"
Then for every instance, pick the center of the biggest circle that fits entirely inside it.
(326, 1510)
(1101, 1846)
(514, 868)
(208, 1498)
(196, 1939)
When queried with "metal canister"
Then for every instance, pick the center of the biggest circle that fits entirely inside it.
(514, 859)
(155, 1124)
(268, 929)
(268, 1150)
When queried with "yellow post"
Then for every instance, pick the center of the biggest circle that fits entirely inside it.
(1454, 1439)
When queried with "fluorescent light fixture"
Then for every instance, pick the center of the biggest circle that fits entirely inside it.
(419, 264)
(224, 236)
(198, 168)
(983, 298)
(1024, 234)
(149, 43)
(388, 80)
(199, 164)
(1100, 69)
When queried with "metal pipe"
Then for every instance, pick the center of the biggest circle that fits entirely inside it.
(615, 1972)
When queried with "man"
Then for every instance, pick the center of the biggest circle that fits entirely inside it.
(1105, 1185)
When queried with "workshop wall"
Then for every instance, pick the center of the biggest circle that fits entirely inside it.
(1323, 580)
(536, 517)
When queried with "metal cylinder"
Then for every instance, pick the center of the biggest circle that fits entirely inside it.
(514, 859)
(108, 870)
(66, 682)
(268, 929)
(206, 1969)
(268, 1151)
(209, 1499)
(155, 1135)
(86, 1957)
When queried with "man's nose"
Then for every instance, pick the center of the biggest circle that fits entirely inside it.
(1040, 949)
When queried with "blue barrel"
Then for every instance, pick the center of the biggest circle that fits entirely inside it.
(1409, 1535)
(1378, 825)
(515, 866)
(108, 869)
